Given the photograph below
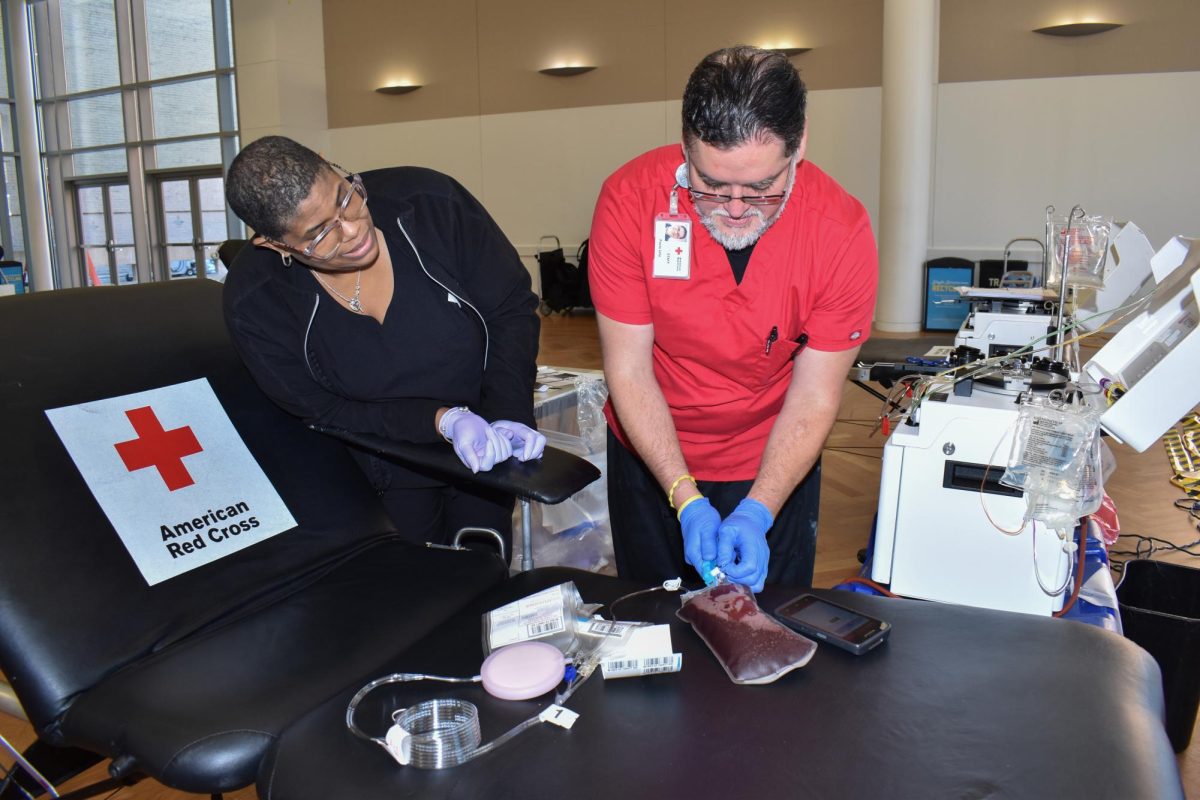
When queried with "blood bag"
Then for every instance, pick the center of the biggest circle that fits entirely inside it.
(750, 644)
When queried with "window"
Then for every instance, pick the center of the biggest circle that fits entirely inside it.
(194, 225)
(138, 124)
(106, 234)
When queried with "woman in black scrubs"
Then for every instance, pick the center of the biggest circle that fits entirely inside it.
(387, 303)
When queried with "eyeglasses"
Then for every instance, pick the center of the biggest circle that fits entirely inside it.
(748, 199)
(326, 244)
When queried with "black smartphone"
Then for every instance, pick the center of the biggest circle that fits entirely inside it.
(840, 626)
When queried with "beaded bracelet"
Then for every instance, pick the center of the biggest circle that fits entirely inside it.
(675, 485)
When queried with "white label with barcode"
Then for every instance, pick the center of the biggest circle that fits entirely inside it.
(603, 627)
(633, 667)
(532, 617)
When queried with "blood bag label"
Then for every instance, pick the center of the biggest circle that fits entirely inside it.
(1049, 445)
(634, 667)
(531, 617)
(601, 627)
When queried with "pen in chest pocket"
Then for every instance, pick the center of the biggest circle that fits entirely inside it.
(771, 339)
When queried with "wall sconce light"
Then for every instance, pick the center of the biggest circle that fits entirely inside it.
(403, 88)
(565, 72)
(790, 51)
(1077, 28)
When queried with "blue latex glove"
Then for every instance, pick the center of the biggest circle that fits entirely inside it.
(526, 442)
(743, 535)
(699, 521)
(475, 443)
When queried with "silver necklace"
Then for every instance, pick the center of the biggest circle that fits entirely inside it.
(355, 303)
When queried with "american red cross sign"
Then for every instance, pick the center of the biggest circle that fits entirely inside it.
(175, 503)
(154, 447)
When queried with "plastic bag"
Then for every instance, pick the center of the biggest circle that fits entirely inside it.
(555, 616)
(1082, 246)
(576, 532)
(751, 645)
(590, 395)
(1057, 461)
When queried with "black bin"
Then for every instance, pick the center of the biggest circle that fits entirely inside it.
(1160, 611)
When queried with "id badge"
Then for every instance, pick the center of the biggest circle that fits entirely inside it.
(672, 246)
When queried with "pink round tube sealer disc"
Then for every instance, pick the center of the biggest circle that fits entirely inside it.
(522, 671)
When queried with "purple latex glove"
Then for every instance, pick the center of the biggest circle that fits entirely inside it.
(699, 521)
(743, 535)
(475, 443)
(526, 442)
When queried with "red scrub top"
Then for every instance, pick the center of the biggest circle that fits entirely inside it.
(811, 278)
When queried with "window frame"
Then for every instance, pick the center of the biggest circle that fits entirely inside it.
(135, 88)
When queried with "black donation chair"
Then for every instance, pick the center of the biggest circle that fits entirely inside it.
(191, 680)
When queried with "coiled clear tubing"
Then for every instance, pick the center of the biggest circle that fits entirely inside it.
(445, 733)
(442, 732)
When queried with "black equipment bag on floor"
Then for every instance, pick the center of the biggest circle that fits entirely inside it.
(564, 285)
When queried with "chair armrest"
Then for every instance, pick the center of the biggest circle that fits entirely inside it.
(550, 479)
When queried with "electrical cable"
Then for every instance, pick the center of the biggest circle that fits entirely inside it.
(1147, 547)
(850, 452)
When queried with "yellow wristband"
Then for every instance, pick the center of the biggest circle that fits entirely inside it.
(685, 504)
(675, 485)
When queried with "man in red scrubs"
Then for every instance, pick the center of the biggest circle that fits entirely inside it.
(726, 349)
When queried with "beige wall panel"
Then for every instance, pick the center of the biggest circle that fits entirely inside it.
(846, 37)
(622, 38)
(259, 100)
(986, 40)
(370, 43)
(483, 57)
(1121, 145)
(446, 145)
(279, 52)
(277, 30)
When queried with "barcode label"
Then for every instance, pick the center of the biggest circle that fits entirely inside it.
(536, 629)
(602, 627)
(633, 667)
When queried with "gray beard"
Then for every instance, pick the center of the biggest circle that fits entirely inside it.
(740, 241)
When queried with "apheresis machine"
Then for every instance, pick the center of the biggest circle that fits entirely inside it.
(994, 454)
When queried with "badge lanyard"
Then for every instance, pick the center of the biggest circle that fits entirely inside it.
(673, 237)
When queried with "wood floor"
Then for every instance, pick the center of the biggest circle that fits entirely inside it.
(849, 494)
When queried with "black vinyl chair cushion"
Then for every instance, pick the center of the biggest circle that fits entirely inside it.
(960, 702)
(211, 705)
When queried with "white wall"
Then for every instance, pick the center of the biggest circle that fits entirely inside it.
(1120, 145)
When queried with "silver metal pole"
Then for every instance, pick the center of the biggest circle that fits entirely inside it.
(526, 537)
(37, 240)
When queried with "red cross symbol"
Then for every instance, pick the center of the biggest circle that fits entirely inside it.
(154, 447)
(678, 251)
